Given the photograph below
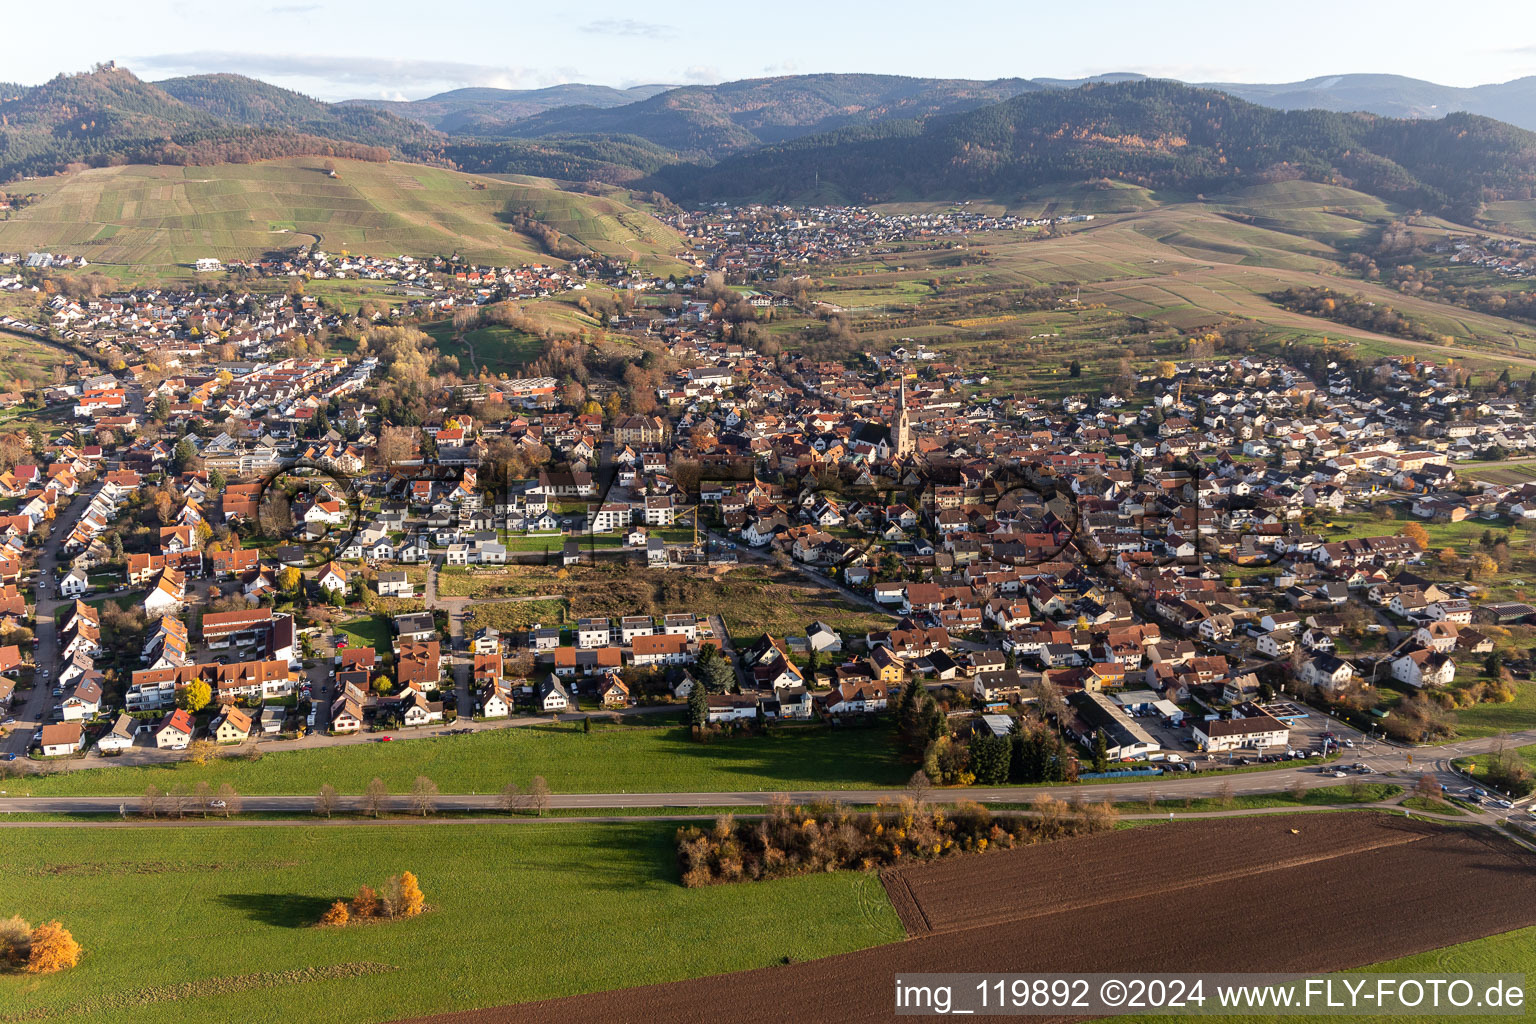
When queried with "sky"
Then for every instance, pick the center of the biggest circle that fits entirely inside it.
(398, 49)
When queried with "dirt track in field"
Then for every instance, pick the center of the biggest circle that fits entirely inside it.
(1237, 894)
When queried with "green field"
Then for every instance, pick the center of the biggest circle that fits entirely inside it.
(212, 924)
(1504, 473)
(26, 361)
(613, 759)
(1184, 263)
(371, 631)
(167, 217)
(504, 351)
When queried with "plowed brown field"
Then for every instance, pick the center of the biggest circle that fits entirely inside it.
(1235, 894)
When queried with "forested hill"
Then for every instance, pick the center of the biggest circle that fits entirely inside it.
(709, 121)
(1154, 133)
(246, 101)
(110, 116)
(473, 111)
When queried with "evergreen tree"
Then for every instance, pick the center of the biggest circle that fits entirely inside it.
(1100, 752)
(698, 707)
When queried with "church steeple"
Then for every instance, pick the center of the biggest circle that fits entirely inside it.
(903, 433)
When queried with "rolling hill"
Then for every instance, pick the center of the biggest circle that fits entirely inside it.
(1395, 96)
(471, 110)
(710, 121)
(1158, 134)
(109, 116)
(246, 101)
(166, 217)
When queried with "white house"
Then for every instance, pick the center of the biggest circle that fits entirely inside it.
(1326, 671)
(118, 738)
(60, 738)
(552, 696)
(332, 577)
(729, 707)
(1424, 668)
(74, 585)
(1258, 732)
(493, 701)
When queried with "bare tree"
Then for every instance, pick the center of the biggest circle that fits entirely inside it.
(178, 801)
(151, 802)
(374, 796)
(512, 798)
(1049, 702)
(202, 795)
(919, 786)
(230, 799)
(1297, 790)
(538, 795)
(424, 796)
(1224, 795)
(325, 800)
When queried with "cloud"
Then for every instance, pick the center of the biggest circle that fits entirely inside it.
(787, 67)
(701, 74)
(630, 28)
(293, 8)
(350, 76)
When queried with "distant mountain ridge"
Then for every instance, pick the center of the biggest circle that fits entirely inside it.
(713, 120)
(248, 101)
(855, 136)
(110, 116)
(471, 110)
(1395, 96)
(1156, 133)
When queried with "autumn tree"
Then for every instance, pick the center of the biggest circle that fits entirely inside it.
(409, 900)
(336, 915)
(195, 696)
(919, 786)
(374, 797)
(423, 796)
(200, 752)
(325, 800)
(366, 903)
(202, 796)
(396, 444)
(229, 799)
(1417, 534)
(15, 941)
(1428, 787)
(53, 949)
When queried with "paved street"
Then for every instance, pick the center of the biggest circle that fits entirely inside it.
(1383, 759)
(30, 712)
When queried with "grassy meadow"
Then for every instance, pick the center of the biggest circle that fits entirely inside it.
(167, 217)
(611, 759)
(214, 924)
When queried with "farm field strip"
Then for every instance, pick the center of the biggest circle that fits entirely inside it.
(937, 892)
(1313, 921)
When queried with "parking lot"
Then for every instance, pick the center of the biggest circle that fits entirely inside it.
(1307, 726)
